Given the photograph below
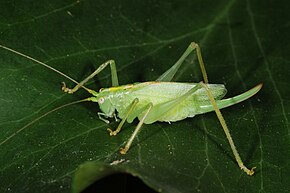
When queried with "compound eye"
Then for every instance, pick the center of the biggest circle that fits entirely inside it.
(101, 100)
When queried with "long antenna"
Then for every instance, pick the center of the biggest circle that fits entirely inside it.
(43, 64)
(40, 117)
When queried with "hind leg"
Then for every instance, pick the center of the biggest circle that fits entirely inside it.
(169, 74)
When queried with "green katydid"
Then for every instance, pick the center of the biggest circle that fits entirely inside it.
(159, 100)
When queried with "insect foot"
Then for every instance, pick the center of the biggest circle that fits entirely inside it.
(66, 89)
(112, 133)
(123, 151)
(249, 172)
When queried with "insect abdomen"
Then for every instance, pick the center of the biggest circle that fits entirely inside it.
(159, 93)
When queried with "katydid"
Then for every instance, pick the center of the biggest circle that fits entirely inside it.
(160, 100)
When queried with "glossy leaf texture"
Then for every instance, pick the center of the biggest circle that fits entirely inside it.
(243, 43)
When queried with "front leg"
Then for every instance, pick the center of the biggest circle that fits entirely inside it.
(129, 111)
(97, 71)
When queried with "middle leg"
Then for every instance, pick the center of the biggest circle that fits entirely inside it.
(136, 131)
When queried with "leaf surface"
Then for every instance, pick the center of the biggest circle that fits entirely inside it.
(243, 43)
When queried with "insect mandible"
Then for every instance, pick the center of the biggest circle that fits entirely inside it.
(160, 100)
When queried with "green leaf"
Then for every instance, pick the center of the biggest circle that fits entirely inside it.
(243, 43)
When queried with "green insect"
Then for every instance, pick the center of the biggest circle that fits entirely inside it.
(159, 100)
